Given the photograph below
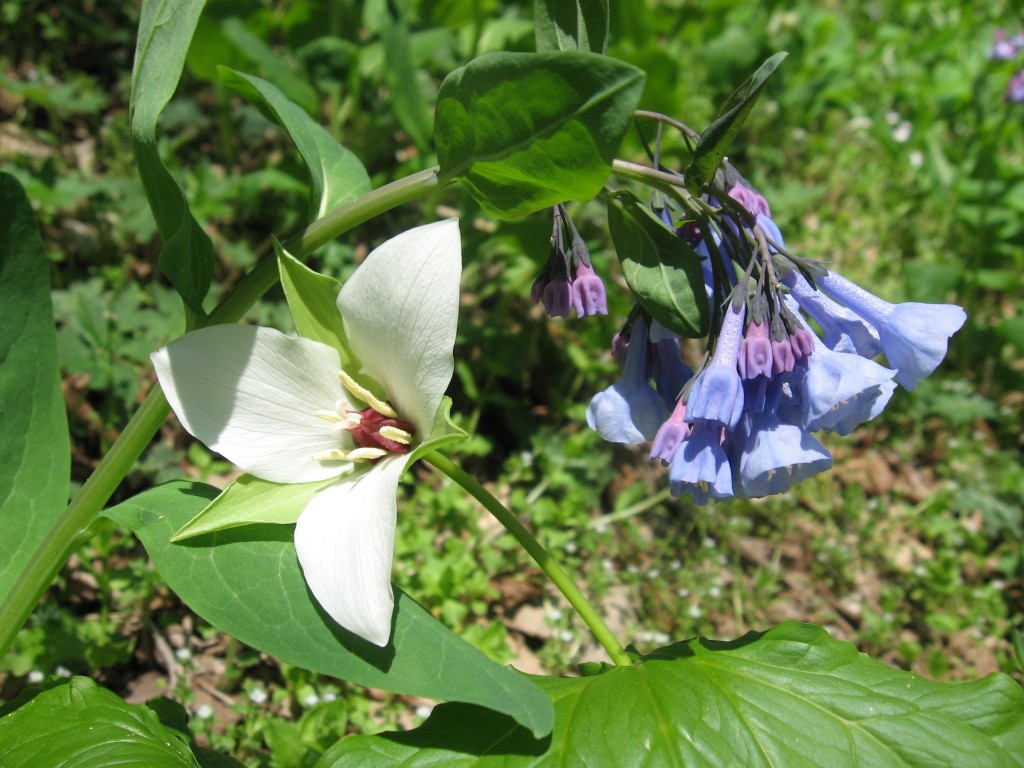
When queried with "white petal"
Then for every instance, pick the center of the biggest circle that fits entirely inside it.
(401, 309)
(251, 393)
(345, 540)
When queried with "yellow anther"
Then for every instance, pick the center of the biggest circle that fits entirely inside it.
(332, 416)
(335, 454)
(366, 454)
(396, 434)
(366, 396)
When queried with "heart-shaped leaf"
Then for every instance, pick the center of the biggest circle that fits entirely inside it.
(789, 696)
(247, 582)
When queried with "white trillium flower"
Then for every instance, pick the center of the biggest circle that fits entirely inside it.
(282, 409)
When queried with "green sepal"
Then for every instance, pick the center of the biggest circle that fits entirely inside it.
(715, 140)
(313, 303)
(444, 432)
(661, 269)
(249, 500)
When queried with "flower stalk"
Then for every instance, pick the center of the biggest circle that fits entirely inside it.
(541, 556)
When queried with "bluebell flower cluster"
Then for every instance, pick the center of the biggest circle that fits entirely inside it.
(568, 280)
(1006, 48)
(791, 353)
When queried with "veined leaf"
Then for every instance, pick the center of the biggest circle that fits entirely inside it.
(791, 696)
(35, 453)
(247, 582)
(524, 131)
(715, 140)
(78, 723)
(165, 31)
(662, 271)
(336, 175)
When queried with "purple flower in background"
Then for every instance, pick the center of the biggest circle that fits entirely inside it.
(629, 411)
(1004, 48)
(671, 435)
(750, 200)
(914, 336)
(1015, 89)
(717, 393)
(588, 295)
(774, 455)
(843, 329)
(700, 466)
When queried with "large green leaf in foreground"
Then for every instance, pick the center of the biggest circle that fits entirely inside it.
(82, 725)
(524, 131)
(35, 457)
(791, 696)
(247, 582)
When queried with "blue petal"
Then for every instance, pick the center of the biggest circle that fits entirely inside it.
(717, 395)
(915, 338)
(775, 455)
(840, 388)
(701, 467)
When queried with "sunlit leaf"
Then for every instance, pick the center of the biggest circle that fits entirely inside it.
(791, 696)
(524, 131)
(81, 724)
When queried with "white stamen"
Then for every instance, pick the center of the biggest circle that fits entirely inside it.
(326, 415)
(335, 454)
(366, 396)
(365, 454)
(395, 434)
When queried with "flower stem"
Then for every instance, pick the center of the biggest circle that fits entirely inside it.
(72, 527)
(540, 555)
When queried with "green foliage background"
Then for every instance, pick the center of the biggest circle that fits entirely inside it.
(884, 146)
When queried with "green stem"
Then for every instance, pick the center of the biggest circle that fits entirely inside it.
(540, 555)
(71, 529)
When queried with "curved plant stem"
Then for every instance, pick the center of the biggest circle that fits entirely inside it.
(71, 529)
(540, 555)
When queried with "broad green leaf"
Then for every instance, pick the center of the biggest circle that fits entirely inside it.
(524, 131)
(336, 175)
(791, 696)
(400, 75)
(250, 500)
(714, 142)
(313, 303)
(571, 25)
(247, 582)
(292, 84)
(35, 454)
(174, 716)
(662, 271)
(83, 725)
(165, 30)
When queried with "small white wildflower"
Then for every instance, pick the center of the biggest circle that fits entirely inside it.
(902, 132)
(660, 638)
(710, 542)
(653, 573)
(715, 592)
(608, 565)
(424, 710)
(62, 671)
(566, 635)
(570, 547)
(634, 569)
(35, 676)
(695, 612)
(204, 711)
(257, 695)
(329, 696)
(183, 654)
(553, 613)
(683, 592)
(310, 700)
(916, 158)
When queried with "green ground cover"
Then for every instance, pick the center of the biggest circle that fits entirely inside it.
(885, 147)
